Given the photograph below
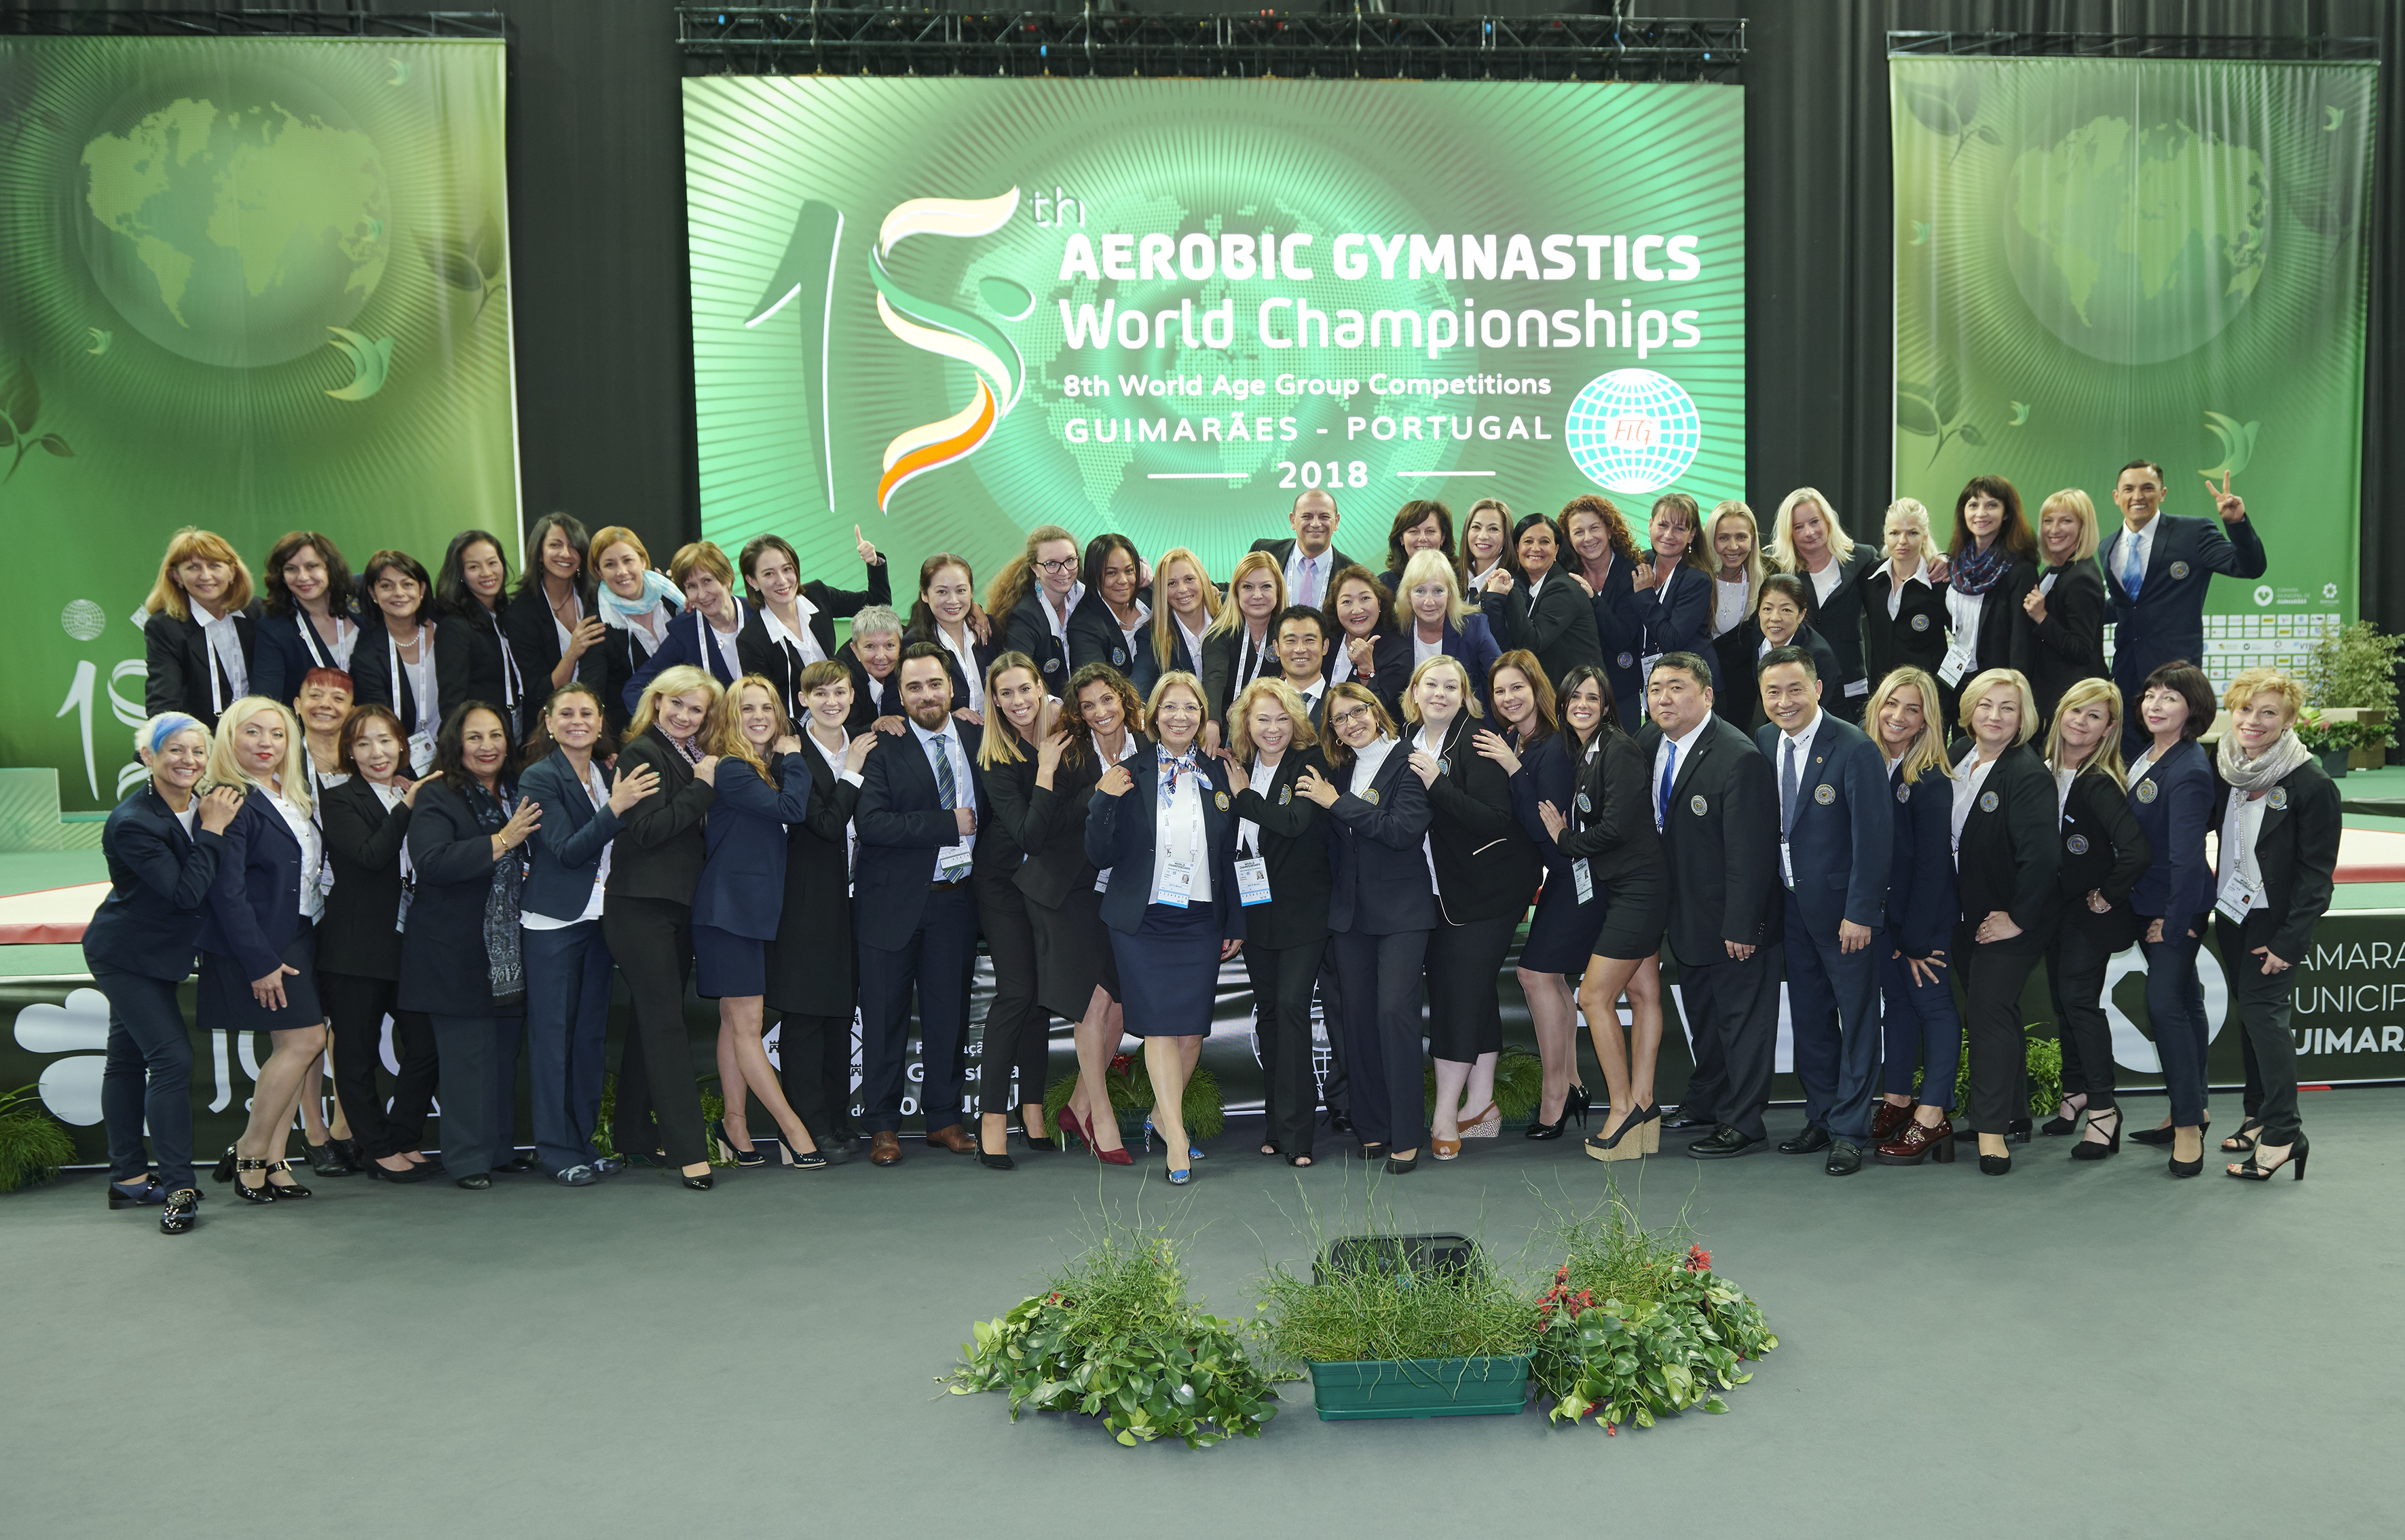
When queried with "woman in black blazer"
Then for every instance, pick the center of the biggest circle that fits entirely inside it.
(461, 958)
(1903, 611)
(258, 945)
(1185, 603)
(647, 918)
(163, 845)
(1991, 566)
(1545, 611)
(792, 623)
(1242, 644)
(636, 605)
(1365, 643)
(2007, 855)
(946, 613)
(1421, 524)
(1017, 1031)
(1111, 624)
(200, 642)
(811, 973)
(1164, 824)
(554, 633)
(312, 618)
(2278, 813)
(1486, 870)
(1603, 558)
(472, 657)
(1607, 829)
(393, 664)
(1076, 970)
(567, 962)
(708, 634)
(1677, 591)
(1382, 907)
(1920, 1028)
(1807, 540)
(1270, 745)
(366, 818)
(2058, 636)
(2103, 854)
(2171, 793)
(1779, 608)
(735, 902)
(1033, 597)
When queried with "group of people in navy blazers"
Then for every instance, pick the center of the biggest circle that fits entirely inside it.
(1893, 779)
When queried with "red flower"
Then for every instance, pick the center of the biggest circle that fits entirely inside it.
(1122, 1063)
(1698, 1259)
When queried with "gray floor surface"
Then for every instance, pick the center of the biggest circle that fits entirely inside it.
(2077, 1350)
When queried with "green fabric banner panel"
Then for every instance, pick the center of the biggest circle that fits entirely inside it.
(2098, 260)
(948, 311)
(252, 284)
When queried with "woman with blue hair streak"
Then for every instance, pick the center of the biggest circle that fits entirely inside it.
(163, 845)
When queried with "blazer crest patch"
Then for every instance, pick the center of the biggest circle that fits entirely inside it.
(1920, 622)
(1221, 798)
(2076, 844)
(1369, 795)
(1584, 805)
(1697, 804)
(1629, 660)
(1118, 657)
(1286, 794)
(2179, 570)
(1987, 802)
(2279, 797)
(1825, 793)
(1051, 665)
(1904, 793)
(2148, 790)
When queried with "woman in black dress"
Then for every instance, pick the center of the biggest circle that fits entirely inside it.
(1486, 870)
(1077, 974)
(1017, 1035)
(813, 976)
(1527, 744)
(2104, 853)
(1608, 829)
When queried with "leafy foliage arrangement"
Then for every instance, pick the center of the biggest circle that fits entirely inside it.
(1360, 1311)
(32, 1143)
(2354, 666)
(1114, 1336)
(2044, 1059)
(714, 1107)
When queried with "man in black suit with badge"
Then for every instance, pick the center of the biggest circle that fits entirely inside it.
(913, 908)
(1834, 831)
(1301, 637)
(1718, 811)
(1310, 556)
(2156, 569)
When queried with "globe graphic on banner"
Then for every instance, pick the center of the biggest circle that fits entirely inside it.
(2135, 246)
(1632, 431)
(234, 231)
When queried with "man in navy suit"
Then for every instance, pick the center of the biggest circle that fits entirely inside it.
(914, 911)
(2157, 568)
(1835, 830)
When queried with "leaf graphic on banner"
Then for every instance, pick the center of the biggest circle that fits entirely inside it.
(56, 445)
(1920, 233)
(1933, 108)
(2237, 443)
(1969, 433)
(20, 398)
(487, 251)
(2020, 414)
(1915, 413)
(371, 361)
(1929, 412)
(455, 265)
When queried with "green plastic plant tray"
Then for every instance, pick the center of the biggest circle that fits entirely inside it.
(1419, 1387)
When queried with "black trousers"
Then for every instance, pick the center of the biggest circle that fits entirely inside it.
(357, 1007)
(1382, 1031)
(1992, 1024)
(652, 941)
(146, 1080)
(480, 1086)
(936, 961)
(1335, 1091)
(2264, 1001)
(815, 1067)
(2075, 977)
(1282, 981)
(1017, 1035)
(1731, 1011)
(1833, 1000)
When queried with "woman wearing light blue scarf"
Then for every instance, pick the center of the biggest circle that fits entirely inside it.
(636, 603)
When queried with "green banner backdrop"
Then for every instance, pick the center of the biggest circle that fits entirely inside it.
(2101, 260)
(951, 310)
(251, 285)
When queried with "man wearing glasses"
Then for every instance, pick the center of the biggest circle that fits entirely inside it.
(1310, 557)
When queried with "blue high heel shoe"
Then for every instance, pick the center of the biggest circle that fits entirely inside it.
(1193, 1150)
(1179, 1176)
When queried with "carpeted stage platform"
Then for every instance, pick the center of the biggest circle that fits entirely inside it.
(2083, 1350)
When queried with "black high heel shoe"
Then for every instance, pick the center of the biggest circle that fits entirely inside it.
(998, 1162)
(223, 1172)
(1402, 1167)
(288, 1188)
(2243, 1139)
(741, 1157)
(260, 1194)
(183, 1211)
(2250, 1171)
(2066, 1117)
(2089, 1148)
(1574, 1105)
(1996, 1165)
(702, 1183)
(2190, 1167)
(2018, 1129)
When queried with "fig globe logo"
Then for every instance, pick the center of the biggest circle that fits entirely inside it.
(1632, 431)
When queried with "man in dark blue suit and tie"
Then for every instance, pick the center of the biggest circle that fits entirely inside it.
(2157, 568)
(913, 908)
(1835, 830)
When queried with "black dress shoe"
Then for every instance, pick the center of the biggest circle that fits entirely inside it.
(1682, 1120)
(523, 1161)
(998, 1162)
(1340, 1122)
(1723, 1143)
(413, 1172)
(475, 1184)
(1811, 1140)
(1843, 1160)
(326, 1160)
(183, 1211)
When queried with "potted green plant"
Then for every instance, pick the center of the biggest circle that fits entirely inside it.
(2351, 677)
(1394, 1327)
(1129, 1084)
(32, 1143)
(1113, 1336)
(2330, 742)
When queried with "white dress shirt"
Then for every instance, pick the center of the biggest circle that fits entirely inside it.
(1895, 587)
(1825, 579)
(1257, 775)
(2240, 827)
(724, 641)
(225, 641)
(803, 642)
(1059, 619)
(1179, 834)
(947, 744)
(964, 652)
(1729, 604)
(313, 854)
(1970, 776)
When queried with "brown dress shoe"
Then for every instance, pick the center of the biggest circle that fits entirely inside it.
(885, 1149)
(952, 1138)
(1888, 1119)
(1918, 1144)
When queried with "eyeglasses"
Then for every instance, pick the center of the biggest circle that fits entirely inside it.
(1353, 718)
(1059, 564)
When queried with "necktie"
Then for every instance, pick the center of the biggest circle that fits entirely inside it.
(1787, 790)
(1307, 593)
(948, 791)
(2133, 575)
(1670, 772)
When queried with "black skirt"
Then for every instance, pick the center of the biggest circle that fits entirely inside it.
(1636, 912)
(1561, 937)
(227, 1005)
(1464, 1015)
(1073, 954)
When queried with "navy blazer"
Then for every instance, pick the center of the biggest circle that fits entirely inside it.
(1620, 627)
(742, 887)
(255, 901)
(444, 967)
(568, 844)
(1841, 837)
(158, 877)
(901, 825)
(1095, 637)
(2166, 621)
(286, 646)
(2173, 803)
(1119, 835)
(1028, 630)
(1378, 874)
(683, 644)
(179, 661)
(1922, 905)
